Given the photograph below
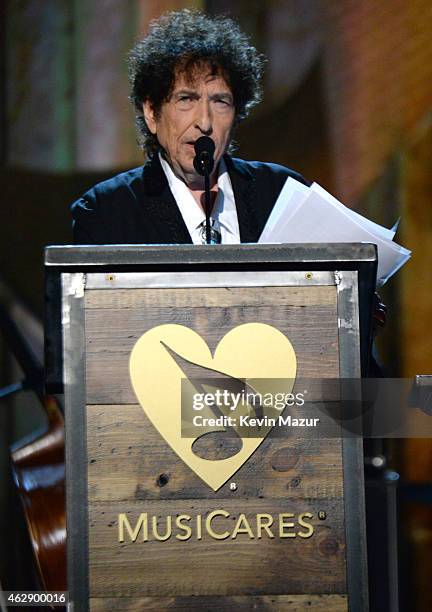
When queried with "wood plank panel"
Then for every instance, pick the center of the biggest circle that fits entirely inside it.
(132, 470)
(279, 603)
(129, 460)
(311, 328)
(111, 336)
(216, 297)
(241, 565)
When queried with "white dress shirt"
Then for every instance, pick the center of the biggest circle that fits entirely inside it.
(224, 211)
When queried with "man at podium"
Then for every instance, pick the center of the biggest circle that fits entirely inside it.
(192, 76)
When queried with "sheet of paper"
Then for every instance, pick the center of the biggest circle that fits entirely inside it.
(306, 215)
(291, 193)
(375, 228)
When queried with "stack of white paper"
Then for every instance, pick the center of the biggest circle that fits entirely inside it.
(311, 214)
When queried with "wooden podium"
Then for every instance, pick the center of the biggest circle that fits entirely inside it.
(285, 531)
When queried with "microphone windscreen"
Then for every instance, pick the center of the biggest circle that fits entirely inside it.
(204, 144)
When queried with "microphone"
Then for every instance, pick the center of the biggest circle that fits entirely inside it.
(203, 164)
(204, 151)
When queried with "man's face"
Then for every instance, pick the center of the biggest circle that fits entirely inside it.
(201, 106)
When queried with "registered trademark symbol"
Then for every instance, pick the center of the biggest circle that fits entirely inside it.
(322, 515)
(233, 486)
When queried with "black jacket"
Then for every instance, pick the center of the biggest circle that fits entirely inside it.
(137, 206)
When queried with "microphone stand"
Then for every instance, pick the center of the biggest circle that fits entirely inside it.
(203, 164)
(207, 201)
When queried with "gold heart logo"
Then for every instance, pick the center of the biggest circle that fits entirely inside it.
(256, 353)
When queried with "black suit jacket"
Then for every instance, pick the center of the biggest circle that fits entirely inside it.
(137, 207)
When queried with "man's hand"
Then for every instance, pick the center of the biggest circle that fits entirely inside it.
(379, 314)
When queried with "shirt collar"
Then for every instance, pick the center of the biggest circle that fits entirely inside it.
(191, 211)
(224, 210)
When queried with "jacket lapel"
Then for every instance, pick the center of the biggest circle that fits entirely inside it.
(244, 188)
(161, 208)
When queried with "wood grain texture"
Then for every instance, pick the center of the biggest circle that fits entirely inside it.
(216, 297)
(127, 458)
(111, 335)
(274, 603)
(132, 470)
(239, 566)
